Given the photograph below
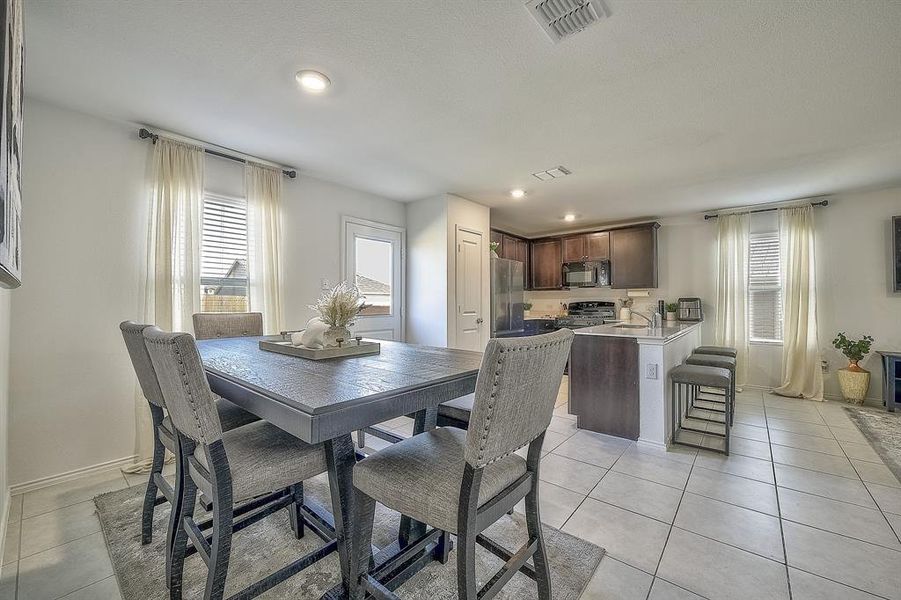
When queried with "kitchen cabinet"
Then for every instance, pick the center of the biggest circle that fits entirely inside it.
(547, 264)
(498, 238)
(633, 257)
(586, 246)
(598, 245)
(513, 248)
(574, 248)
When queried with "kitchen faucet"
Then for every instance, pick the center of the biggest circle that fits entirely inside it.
(656, 322)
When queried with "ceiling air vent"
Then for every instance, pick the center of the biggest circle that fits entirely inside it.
(562, 18)
(554, 173)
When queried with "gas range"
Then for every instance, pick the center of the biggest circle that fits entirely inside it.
(587, 314)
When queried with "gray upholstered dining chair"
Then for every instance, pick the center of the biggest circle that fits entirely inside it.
(164, 437)
(249, 472)
(461, 482)
(225, 325)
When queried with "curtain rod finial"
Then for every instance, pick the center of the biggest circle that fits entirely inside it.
(290, 174)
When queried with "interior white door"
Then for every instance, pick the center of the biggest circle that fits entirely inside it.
(373, 260)
(469, 290)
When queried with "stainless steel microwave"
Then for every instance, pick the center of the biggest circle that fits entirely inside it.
(586, 274)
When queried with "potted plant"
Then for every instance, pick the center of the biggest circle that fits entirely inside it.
(493, 246)
(671, 308)
(853, 379)
(337, 308)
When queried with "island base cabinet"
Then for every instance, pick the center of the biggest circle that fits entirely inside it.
(604, 385)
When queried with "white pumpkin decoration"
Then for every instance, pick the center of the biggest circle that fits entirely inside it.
(313, 337)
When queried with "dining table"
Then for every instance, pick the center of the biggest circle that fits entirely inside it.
(327, 401)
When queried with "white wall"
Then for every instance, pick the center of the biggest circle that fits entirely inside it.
(84, 226)
(853, 280)
(431, 267)
(4, 413)
(427, 282)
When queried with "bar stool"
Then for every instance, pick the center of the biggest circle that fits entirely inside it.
(717, 350)
(712, 405)
(686, 380)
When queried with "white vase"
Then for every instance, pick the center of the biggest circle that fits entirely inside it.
(333, 334)
(670, 316)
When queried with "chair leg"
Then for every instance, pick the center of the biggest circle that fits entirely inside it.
(361, 439)
(533, 523)
(361, 545)
(467, 532)
(187, 496)
(223, 522)
(159, 456)
(466, 564)
(294, 513)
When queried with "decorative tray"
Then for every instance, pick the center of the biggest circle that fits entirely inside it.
(352, 349)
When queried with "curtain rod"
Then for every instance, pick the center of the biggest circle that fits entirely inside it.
(145, 133)
(760, 210)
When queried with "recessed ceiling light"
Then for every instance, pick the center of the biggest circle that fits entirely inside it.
(312, 81)
(569, 217)
(517, 193)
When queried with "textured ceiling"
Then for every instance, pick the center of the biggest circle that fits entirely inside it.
(663, 108)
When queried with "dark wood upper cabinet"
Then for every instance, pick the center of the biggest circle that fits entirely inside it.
(575, 248)
(513, 248)
(497, 236)
(598, 245)
(586, 246)
(547, 264)
(633, 257)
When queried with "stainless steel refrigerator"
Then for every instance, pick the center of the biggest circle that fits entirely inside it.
(506, 298)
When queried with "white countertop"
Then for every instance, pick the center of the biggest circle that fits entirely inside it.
(661, 335)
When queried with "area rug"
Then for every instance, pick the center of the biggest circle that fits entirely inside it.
(883, 430)
(268, 545)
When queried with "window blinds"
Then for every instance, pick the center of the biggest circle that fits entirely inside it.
(223, 249)
(765, 288)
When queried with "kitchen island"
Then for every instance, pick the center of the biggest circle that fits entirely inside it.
(618, 376)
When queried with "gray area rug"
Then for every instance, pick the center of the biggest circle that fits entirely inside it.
(269, 544)
(883, 430)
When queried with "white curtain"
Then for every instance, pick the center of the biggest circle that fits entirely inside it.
(731, 326)
(263, 189)
(172, 285)
(801, 374)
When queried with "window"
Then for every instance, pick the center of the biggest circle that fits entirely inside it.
(765, 288)
(373, 274)
(223, 255)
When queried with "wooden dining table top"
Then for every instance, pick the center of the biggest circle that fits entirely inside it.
(318, 400)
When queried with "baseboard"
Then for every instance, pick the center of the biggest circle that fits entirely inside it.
(874, 401)
(4, 521)
(36, 484)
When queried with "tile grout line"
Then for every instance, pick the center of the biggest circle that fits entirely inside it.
(672, 525)
(788, 581)
(878, 506)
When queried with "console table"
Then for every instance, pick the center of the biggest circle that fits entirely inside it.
(891, 378)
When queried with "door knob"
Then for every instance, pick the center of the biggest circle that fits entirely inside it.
(479, 320)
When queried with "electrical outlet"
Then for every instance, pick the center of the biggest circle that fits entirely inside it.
(651, 371)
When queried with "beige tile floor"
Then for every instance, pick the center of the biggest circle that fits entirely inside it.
(803, 509)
